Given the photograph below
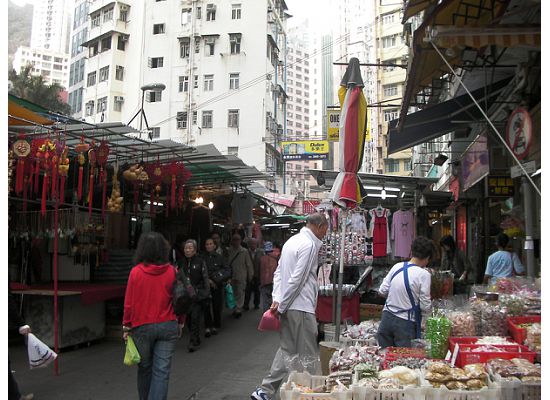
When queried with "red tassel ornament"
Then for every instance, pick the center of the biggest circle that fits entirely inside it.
(21, 148)
(81, 148)
(44, 194)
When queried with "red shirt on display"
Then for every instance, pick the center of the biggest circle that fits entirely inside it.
(148, 298)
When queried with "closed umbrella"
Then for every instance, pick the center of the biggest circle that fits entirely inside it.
(347, 190)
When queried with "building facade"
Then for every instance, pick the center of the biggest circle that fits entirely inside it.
(77, 74)
(202, 72)
(51, 25)
(52, 66)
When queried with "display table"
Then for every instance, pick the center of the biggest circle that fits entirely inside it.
(81, 309)
(350, 308)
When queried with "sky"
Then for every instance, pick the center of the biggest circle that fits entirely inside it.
(318, 12)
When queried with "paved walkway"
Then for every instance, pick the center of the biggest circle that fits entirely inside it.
(227, 367)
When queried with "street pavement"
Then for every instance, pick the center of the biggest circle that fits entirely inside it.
(226, 367)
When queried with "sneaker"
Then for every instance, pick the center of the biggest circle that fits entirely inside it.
(214, 331)
(259, 394)
(207, 333)
(29, 396)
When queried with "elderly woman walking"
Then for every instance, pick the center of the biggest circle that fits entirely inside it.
(149, 315)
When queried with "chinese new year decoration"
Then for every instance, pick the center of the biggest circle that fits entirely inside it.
(102, 157)
(81, 148)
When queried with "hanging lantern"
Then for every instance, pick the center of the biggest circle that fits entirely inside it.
(102, 156)
(21, 149)
(63, 170)
(81, 148)
(154, 170)
(59, 147)
(114, 204)
(37, 154)
(45, 153)
(92, 159)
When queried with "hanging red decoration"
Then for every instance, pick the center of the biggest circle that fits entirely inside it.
(92, 159)
(45, 153)
(154, 170)
(63, 170)
(26, 184)
(81, 148)
(21, 149)
(36, 144)
(59, 147)
(102, 157)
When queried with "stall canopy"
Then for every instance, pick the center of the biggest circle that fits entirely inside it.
(442, 118)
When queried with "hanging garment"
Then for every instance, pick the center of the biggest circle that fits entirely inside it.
(380, 232)
(358, 223)
(402, 233)
(242, 206)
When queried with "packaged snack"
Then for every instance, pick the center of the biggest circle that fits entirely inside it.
(493, 321)
(455, 385)
(436, 377)
(531, 379)
(475, 384)
(438, 331)
(458, 374)
(475, 371)
(440, 368)
(463, 323)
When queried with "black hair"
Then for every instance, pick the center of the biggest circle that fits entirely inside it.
(449, 241)
(277, 245)
(422, 248)
(502, 240)
(152, 248)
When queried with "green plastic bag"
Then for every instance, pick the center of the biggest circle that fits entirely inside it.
(229, 297)
(131, 357)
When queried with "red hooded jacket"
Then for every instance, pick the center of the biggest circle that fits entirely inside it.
(148, 298)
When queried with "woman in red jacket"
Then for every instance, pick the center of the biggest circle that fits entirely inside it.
(149, 315)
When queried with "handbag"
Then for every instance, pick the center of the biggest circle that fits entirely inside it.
(183, 294)
(131, 356)
(229, 297)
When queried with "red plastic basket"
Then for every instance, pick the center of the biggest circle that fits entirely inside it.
(519, 334)
(469, 340)
(467, 353)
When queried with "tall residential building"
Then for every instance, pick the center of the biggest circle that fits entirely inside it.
(54, 67)
(298, 107)
(390, 49)
(51, 25)
(79, 34)
(211, 72)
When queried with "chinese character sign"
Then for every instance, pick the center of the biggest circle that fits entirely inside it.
(305, 150)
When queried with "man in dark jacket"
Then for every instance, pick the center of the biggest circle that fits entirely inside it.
(218, 274)
(15, 322)
(239, 260)
(253, 288)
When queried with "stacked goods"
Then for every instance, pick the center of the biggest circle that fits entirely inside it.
(463, 323)
(304, 386)
(475, 353)
(516, 368)
(409, 362)
(514, 304)
(441, 285)
(493, 321)
(472, 377)
(366, 330)
(395, 378)
(533, 337)
(518, 326)
(477, 307)
(493, 340)
(339, 378)
(347, 358)
(405, 357)
(438, 331)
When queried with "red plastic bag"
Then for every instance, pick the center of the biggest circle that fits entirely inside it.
(269, 322)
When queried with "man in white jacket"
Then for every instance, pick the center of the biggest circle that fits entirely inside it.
(295, 300)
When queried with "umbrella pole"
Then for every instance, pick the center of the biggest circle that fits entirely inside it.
(340, 276)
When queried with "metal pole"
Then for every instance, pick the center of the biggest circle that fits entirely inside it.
(55, 285)
(340, 276)
(141, 116)
(528, 210)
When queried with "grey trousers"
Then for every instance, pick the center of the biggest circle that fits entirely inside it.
(298, 336)
(239, 292)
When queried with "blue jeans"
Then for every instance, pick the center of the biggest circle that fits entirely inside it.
(395, 331)
(156, 344)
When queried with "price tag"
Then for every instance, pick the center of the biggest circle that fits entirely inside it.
(448, 356)
(455, 355)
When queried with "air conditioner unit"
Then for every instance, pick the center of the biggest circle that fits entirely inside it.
(119, 99)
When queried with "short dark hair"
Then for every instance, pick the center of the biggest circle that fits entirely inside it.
(502, 240)
(152, 248)
(422, 248)
(448, 240)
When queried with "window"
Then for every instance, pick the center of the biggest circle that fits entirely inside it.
(181, 120)
(158, 29)
(102, 104)
(199, 12)
(154, 96)
(195, 82)
(209, 44)
(106, 44)
(234, 81)
(407, 164)
(57, 60)
(93, 49)
(184, 47)
(197, 44)
(183, 84)
(156, 62)
(390, 90)
(91, 79)
(389, 41)
(121, 43)
(117, 104)
(233, 151)
(155, 133)
(390, 115)
(195, 115)
(96, 20)
(233, 118)
(211, 12)
(389, 68)
(108, 15)
(104, 74)
(90, 108)
(123, 14)
(119, 73)
(388, 19)
(236, 11)
(207, 117)
(391, 165)
(235, 41)
(185, 16)
(208, 83)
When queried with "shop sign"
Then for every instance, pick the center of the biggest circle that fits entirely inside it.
(454, 187)
(530, 168)
(500, 186)
(475, 163)
(305, 150)
(519, 132)
(308, 207)
(333, 124)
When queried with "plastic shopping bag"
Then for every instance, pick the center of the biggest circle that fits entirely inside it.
(40, 355)
(229, 297)
(131, 357)
(269, 322)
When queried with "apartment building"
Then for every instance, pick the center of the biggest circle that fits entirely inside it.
(54, 67)
(77, 81)
(202, 71)
(51, 25)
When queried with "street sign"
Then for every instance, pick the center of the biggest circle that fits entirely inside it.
(530, 167)
(305, 150)
(519, 132)
(333, 124)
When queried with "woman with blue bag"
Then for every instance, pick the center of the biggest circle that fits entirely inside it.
(407, 289)
(149, 316)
